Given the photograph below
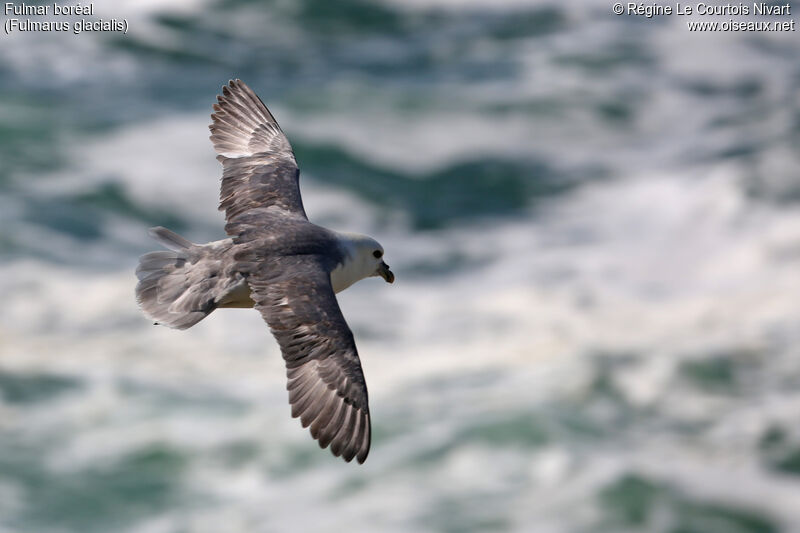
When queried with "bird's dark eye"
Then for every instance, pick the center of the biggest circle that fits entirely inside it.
(377, 254)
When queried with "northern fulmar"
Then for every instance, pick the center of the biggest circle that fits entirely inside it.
(277, 261)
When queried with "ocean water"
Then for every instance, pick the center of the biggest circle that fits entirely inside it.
(595, 226)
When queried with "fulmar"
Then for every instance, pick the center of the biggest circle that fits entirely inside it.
(278, 262)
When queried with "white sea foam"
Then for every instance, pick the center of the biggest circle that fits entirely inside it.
(665, 266)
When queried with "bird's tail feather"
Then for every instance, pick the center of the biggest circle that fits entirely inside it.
(166, 291)
(170, 239)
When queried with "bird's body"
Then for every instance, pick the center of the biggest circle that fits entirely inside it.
(278, 262)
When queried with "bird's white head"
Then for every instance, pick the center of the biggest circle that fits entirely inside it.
(363, 259)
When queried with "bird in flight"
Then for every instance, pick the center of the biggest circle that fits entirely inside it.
(278, 262)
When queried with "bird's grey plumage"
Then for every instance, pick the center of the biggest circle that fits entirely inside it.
(179, 288)
(325, 381)
(276, 261)
(259, 168)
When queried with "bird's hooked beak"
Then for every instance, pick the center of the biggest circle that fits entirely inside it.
(384, 272)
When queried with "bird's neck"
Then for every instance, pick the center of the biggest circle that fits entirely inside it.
(350, 270)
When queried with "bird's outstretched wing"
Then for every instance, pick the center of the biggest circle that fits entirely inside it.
(259, 168)
(293, 293)
(326, 385)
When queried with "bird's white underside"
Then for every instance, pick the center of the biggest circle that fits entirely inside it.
(343, 276)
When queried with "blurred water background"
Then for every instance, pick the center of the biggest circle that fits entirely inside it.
(594, 224)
